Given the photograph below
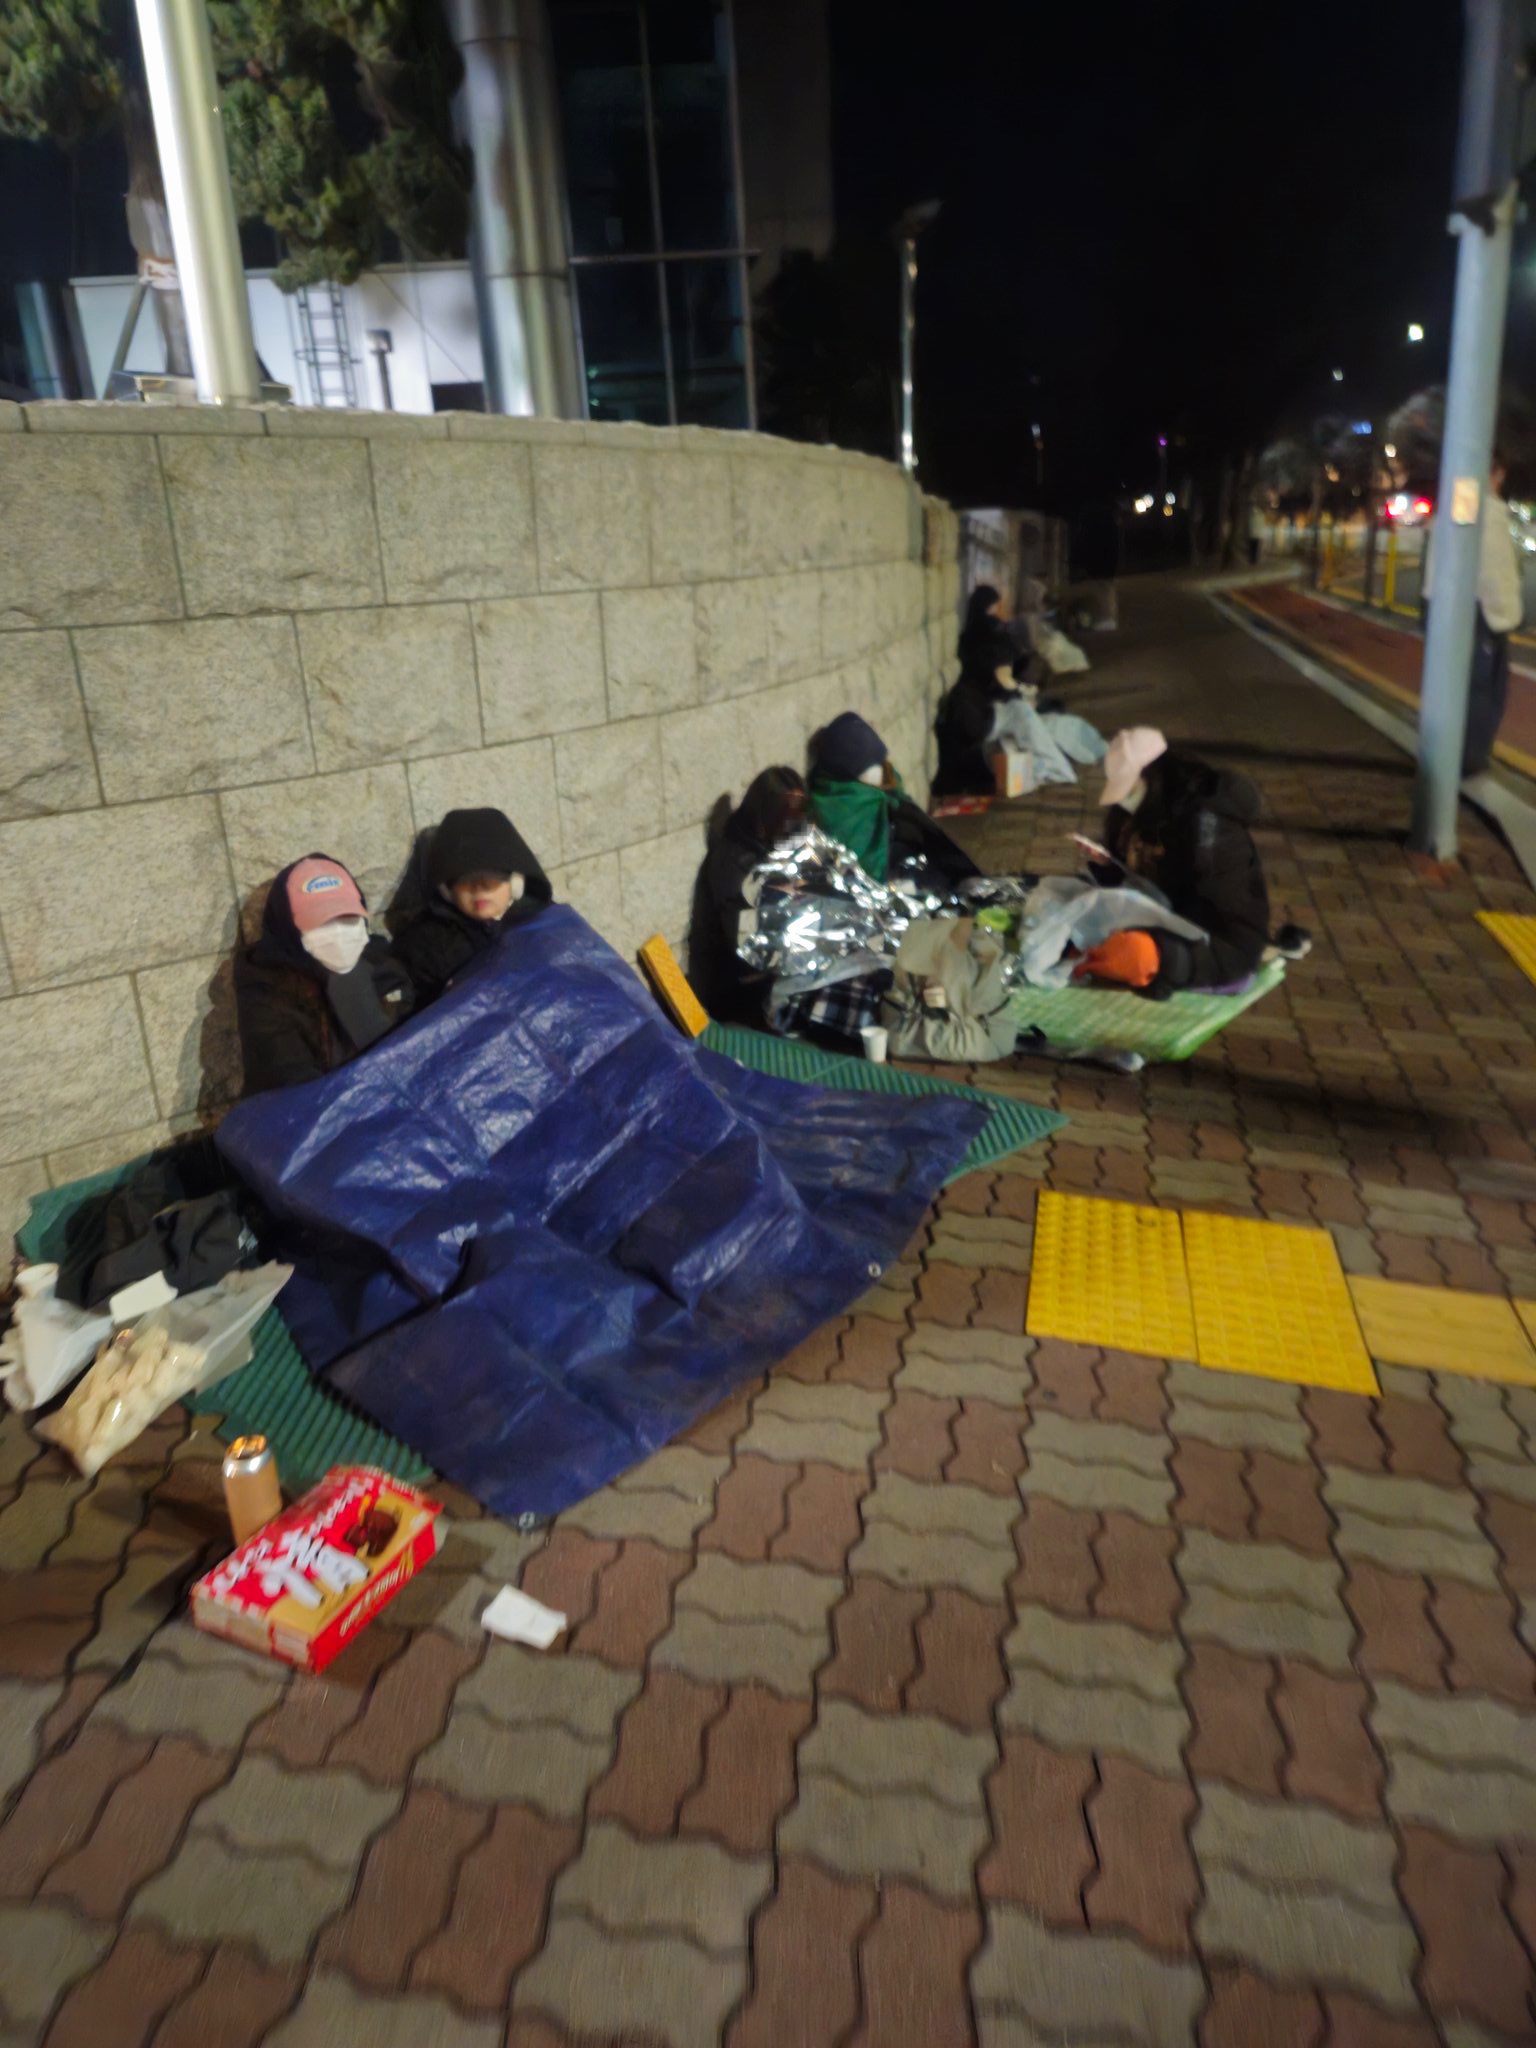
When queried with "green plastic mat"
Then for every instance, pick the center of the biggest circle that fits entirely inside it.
(309, 1427)
(1081, 1019)
(1011, 1126)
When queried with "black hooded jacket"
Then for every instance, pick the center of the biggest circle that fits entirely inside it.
(964, 723)
(1190, 837)
(440, 941)
(730, 990)
(290, 1013)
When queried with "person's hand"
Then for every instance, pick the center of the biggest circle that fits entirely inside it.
(1129, 958)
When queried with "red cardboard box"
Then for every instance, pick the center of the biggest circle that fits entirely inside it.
(302, 1587)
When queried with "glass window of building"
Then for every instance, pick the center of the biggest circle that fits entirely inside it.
(648, 117)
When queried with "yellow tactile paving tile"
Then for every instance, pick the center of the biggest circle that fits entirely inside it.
(1110, 1273)
(1271, 1299)
(1526, 1311)
(1444, 1329)
(1517, 935)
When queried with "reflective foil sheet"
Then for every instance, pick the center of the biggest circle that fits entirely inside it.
(816, 917)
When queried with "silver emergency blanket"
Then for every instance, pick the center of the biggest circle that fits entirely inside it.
(817, 918)
(1063, 910)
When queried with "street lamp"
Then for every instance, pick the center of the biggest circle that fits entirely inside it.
(906, 232)
(380, 344)
(1415, 331)
(1338, 376)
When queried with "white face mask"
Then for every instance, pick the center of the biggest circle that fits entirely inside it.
(874, 776)
(338, 946)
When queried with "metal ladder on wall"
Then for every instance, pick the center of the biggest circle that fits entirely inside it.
(324, 348)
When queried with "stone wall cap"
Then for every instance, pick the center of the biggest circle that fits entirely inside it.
(497, 426)
(131, 416)
(351, 423)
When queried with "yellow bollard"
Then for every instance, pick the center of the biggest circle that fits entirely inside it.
(1389, 581)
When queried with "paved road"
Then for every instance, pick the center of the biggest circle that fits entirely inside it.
(946, 1686)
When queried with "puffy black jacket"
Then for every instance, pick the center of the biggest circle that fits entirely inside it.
(289, 1010)
(439, 942)
(1190, 837)
(288, 1030)
(730, 990)
(964, 723)
(918, 843)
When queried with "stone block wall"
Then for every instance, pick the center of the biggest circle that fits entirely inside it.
(229, 638)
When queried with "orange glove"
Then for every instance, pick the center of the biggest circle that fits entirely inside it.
(1130, 958)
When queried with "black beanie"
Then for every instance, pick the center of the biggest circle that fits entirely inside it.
(475, 843)
(845, 748)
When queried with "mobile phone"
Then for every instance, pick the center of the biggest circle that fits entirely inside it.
(1093, 849)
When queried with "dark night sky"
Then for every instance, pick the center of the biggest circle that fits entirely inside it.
(1178, 216)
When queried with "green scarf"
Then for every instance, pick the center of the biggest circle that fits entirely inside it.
(857, 815)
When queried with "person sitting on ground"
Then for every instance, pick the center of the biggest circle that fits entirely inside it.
(771, 813)
(316, 989)
(1180, 827)
(967, 717)
(857, 798)
(481, 878)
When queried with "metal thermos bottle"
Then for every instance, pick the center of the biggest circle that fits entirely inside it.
(251, 1491)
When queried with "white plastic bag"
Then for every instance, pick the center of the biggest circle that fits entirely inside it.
(1063, 657)
(162, 1358)
(50, 1342)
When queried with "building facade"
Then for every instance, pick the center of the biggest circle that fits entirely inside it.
(694, 150)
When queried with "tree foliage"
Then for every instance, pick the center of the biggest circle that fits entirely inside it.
(336, 115)
(330, 160)
(826, 336)
(61, 74)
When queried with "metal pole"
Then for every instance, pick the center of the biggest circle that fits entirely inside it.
(908, 326)
(184, 99)
(130, 324)
(521, 268)
(1477, 349)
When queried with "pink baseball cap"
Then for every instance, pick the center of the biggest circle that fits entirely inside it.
(320, 891)
(1129, 753)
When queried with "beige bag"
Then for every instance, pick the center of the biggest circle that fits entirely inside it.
(949, 998)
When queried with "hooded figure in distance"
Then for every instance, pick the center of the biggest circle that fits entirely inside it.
(315, 989)
(968, 717)
(481, 878)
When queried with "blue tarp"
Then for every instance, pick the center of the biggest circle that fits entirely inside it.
(538, 1232)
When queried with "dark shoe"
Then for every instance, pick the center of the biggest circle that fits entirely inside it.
(1291, 942)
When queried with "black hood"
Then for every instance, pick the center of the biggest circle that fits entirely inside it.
(482, 842)
(280, 943)
(986, 647)
(1183, 783)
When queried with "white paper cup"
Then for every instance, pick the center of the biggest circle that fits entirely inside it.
(876, 1042)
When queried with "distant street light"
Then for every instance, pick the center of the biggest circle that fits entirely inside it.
(906, 232)
(1415, 331)
(1338, 376)
(1390, 452)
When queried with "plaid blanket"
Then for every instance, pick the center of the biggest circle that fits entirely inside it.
(841, 1010)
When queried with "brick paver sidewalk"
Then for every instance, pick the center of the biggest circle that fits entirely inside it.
(946, 1685)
